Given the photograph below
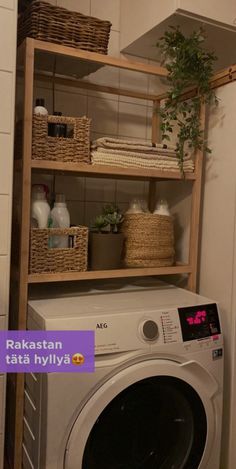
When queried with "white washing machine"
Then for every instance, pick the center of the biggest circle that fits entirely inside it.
(155, 399)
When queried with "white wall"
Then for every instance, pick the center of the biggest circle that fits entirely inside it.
(8, 14)
(218, 247)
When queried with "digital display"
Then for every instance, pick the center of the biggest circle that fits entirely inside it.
(198, 322)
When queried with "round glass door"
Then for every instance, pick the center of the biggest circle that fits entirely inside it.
(156, 423)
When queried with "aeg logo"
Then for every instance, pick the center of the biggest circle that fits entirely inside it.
(101, 325)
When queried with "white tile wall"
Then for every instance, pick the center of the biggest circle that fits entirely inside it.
(107, 10)
(102, 191)
(6, 93)
(104, 115)
(157, 85)
(71, 104)
(72, 187)
(92, 209)
(127, 189)
(134, 81)
(77, 212)
(81, 6)
(132, 120)
(6, 148)
(113, 45)
(10, 4)
(7, 24)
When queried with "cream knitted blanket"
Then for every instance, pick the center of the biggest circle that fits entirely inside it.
(157, 162)
(137, 154)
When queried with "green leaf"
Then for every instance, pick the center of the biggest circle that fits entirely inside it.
(188, 64)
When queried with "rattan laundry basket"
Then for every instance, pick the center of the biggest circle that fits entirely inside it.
(47, 22)
(44, 259)
(149, 240)
(74, 149)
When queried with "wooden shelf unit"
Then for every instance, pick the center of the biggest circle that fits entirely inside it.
(109, 171)
(21, 279)
(102, 274)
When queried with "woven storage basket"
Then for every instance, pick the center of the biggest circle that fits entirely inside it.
(44, 259)
(54, 24)
(75, 149)
(149, 240)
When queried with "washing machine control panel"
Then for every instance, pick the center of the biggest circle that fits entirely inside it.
(170, 326)
(199, 322)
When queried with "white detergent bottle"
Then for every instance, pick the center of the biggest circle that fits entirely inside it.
(40, 209)
(162, 208)
(60, 219)
(40, 109)
(135, 206)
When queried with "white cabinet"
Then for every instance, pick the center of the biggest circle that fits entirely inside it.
(211, 10)
(218, 18)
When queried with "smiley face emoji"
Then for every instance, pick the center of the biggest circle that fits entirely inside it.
(77, 359)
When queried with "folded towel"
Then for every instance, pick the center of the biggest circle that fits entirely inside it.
(150, 156)
(137, 162)
(139, 146)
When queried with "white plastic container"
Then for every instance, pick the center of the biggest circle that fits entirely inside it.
(60, 219)
(40, 209)
(162, 208)
(135, 206)
(40, 108)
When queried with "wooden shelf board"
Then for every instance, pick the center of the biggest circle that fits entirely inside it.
(108, 171)
(100, 274)
(98, 58)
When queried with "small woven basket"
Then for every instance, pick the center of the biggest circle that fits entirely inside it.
(47, 22)
(149, 240)
(71, 149)
(44, 259)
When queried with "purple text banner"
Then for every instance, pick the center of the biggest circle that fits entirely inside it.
(47, 351)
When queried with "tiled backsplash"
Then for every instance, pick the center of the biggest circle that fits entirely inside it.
(6, 95)
(8, 4)
(6, 149)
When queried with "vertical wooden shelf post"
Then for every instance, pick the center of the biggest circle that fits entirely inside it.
(155, 139)
(17, 431)
(195, 210)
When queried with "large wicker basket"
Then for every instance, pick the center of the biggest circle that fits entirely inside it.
(44, 259)
(54, 24)
(75, 149)
(149, 240)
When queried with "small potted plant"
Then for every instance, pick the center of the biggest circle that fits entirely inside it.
(106, 241)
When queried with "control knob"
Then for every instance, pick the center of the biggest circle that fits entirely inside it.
(149, 330)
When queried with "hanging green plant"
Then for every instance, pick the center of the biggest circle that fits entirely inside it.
(188, 65)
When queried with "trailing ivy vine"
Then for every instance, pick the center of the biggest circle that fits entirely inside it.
(188, 65)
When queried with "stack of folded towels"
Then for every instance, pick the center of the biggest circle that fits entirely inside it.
(137, 154)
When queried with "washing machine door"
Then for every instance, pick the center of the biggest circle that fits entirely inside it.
(156, 414)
